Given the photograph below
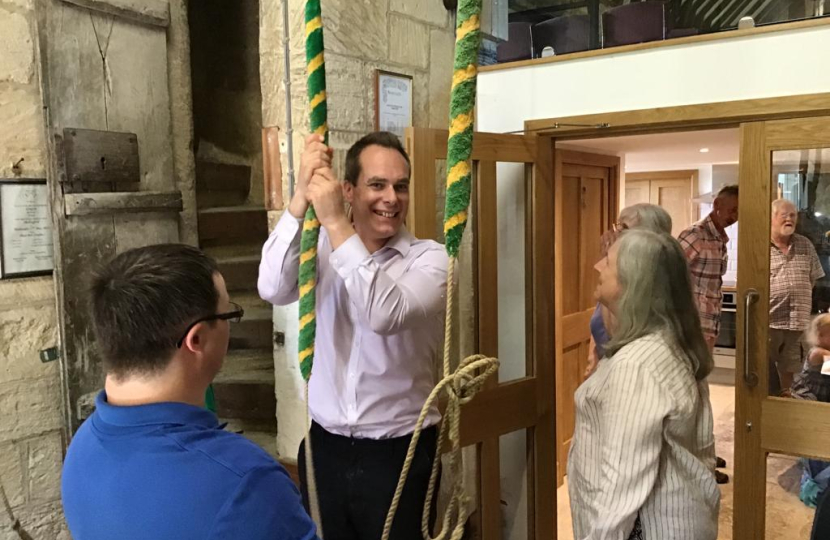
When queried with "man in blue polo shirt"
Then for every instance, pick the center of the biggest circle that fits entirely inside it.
(152, 463)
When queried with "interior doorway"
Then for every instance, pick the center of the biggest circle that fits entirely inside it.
(766, 433)
(233, 222)
(679, 171)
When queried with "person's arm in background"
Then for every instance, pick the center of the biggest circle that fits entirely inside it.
(816, 356)
(280, 264)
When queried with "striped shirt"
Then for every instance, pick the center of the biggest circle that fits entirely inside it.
(705, 249)
(791, 280)
(643, 446)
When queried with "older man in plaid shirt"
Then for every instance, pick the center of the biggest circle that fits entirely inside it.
(704, 243)
(794, 271)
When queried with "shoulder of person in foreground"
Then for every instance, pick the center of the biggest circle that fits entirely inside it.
(266, 503)
(656, 356)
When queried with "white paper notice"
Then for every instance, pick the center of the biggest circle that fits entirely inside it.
(27, 229)
(394, 104)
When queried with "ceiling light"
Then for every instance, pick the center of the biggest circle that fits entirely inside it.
(818, 214)
(704, 150)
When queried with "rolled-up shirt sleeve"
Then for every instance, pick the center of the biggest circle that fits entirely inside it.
(280, 263)
(392, 304)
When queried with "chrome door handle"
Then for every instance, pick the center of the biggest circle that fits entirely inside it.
(750, 378)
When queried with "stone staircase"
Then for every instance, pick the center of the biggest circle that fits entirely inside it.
(233, 233)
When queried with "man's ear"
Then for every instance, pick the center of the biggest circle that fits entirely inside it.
(194, 341)
(348, 191)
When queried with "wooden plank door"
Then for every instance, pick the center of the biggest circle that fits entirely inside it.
(772, 432)
(112, 184)
(672, 190)
(637, 191)
(511, 422)
(675, 196)
(586, 201)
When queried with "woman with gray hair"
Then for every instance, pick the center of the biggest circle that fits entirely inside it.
(637, 216)
(642, 459)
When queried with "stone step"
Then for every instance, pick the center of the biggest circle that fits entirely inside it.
(234, 250)
(244, 387)
(256, 329)
(232, 225)
(239, 264)
(221, 184)
(240, 273)
(253, 366)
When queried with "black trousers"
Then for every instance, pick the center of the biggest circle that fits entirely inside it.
(356, 480)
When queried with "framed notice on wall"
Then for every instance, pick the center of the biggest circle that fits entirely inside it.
(25, 229)
(393, 102)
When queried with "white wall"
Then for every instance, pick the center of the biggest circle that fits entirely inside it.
(767, 65)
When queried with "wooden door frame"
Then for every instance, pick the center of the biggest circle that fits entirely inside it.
(527, 402)
(752, 116)
(786, 426)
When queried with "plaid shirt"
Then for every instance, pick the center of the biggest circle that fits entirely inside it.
(791, 280)
(705, 249)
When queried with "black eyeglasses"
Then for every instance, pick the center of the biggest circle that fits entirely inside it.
(233, 316)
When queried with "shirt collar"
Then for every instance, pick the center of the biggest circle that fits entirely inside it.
(790, 243)
(709, 224)
(401, 242)
(153, 413)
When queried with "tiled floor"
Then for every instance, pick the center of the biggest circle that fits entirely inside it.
(787, 517)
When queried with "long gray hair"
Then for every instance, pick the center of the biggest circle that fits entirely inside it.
(657, 297)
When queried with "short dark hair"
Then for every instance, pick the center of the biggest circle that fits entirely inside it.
(143, 299)
(377, 138)
(728, 191)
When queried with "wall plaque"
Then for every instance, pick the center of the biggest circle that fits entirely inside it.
(25, 229)
(393, 102)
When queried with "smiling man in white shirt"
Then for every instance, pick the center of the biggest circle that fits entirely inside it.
(380, 304)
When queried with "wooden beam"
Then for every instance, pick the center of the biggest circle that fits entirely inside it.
(506, 408)
(796, 427)
(422, 220)
(88, 204)
(543, 436)
(149, 12)
(661, 119)
(491, 146)
(753, 272)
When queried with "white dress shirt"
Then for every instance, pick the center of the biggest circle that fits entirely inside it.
(643, 445)
(379, 327)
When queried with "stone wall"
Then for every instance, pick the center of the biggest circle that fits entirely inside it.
(31, 437)
(31, 444)
(412, 37)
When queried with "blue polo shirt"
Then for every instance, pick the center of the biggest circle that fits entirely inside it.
(168, 471)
